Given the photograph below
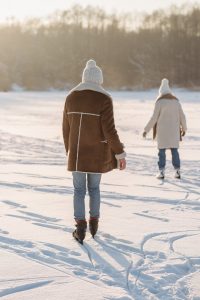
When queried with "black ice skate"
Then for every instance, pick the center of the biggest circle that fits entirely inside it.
(93, 226)
(80, 231)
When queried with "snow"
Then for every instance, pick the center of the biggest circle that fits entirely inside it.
(147, 247)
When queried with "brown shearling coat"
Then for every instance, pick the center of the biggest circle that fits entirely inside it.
(90, 138)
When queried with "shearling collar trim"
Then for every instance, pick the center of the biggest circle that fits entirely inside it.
(90, 86)
(167, 96)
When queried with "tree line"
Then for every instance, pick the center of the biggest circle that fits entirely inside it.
(133, 51)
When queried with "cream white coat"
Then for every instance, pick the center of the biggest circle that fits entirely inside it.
(169, 116)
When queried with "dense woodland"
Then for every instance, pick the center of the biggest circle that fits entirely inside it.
(134, 51)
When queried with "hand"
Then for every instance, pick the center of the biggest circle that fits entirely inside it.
(122, 164)
(182, 133)
(144, 134)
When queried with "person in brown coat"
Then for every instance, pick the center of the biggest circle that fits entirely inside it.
(92, 144)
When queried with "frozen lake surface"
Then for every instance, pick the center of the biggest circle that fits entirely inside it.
(147, 247)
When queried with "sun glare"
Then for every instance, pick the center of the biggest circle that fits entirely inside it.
(22, 9)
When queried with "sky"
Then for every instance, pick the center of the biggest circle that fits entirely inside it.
(22, 9)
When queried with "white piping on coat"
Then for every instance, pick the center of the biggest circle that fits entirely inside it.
(79, 134)
(82, 113)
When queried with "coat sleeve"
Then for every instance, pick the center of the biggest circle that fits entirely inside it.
(108, 127)
(65, 128)
(182, 118)
(154, 118)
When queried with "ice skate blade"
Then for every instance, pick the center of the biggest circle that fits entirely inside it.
(160, 178)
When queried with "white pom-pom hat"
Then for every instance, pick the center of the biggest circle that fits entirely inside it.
(164, 87)
(92, 73)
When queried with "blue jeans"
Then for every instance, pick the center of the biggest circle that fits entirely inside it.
(93, 182)
(162, 158)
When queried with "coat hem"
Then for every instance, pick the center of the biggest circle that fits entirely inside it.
(89, 172)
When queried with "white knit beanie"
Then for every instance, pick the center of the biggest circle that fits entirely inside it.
(164, 88)
(92, 73)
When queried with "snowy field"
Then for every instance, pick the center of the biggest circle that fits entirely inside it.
(148, 244)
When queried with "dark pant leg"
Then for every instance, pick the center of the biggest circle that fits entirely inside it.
(162, 159)
(175, 158)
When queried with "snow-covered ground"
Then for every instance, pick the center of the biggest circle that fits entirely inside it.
(148, 242)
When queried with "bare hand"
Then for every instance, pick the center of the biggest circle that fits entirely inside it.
(122, 164)
(182, 133)
(144, 134)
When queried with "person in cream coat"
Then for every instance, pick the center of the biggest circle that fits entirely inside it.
(169, 125)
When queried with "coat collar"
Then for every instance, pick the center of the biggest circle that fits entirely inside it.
(167, 96)
(90, 86)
